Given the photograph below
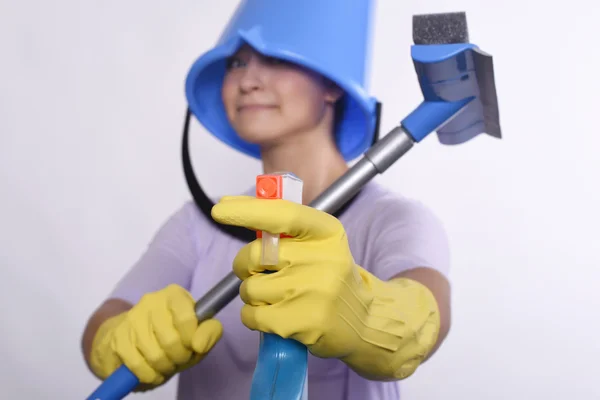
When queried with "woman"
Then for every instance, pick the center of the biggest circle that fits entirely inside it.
(367, 294)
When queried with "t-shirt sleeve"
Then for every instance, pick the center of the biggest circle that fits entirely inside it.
(407, 235)
(170, 258)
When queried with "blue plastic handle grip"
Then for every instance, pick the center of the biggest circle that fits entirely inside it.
(117, 386)
(430, 115)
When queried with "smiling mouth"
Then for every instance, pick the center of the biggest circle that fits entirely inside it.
(255, 107)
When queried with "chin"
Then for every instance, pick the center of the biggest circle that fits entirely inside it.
(261, 135)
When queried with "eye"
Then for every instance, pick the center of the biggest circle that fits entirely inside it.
(274, 61)
(234, 62)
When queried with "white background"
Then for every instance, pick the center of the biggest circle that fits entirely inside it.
(91, 110)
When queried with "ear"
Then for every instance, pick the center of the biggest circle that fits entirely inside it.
(332, 92)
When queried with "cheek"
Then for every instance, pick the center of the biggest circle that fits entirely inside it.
(228, 98)
(304, 101)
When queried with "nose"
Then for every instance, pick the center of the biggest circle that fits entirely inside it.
(252, 76)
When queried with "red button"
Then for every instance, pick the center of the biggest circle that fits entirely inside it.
(268, 187)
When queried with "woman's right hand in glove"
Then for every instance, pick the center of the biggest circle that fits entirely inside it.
(157, 338)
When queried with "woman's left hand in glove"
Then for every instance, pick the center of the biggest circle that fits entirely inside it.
(321, 298)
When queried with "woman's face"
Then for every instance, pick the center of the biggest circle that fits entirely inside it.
(267, 99)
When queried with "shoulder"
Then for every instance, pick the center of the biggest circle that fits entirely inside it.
(379, 207)
(191, 215)
(186, 217)
(186, 224)
(391, 233)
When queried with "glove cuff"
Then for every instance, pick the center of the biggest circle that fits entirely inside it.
(400, 328)
(103, 361)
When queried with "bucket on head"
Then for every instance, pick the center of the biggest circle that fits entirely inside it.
(332, 38)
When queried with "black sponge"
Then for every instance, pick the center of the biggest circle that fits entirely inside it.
(447, 28)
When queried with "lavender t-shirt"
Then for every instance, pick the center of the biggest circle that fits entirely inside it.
(387, 233)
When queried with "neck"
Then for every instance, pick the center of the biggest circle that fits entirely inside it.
(312, 157)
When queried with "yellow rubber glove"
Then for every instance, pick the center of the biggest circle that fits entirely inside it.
(157, 338)
(321, 298)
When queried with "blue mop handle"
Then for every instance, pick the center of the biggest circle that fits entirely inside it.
(116, 386)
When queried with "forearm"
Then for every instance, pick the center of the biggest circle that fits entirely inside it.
(107, 310)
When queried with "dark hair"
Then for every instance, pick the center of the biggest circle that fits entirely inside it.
(338, 112)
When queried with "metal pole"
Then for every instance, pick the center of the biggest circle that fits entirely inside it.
(375, 161)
